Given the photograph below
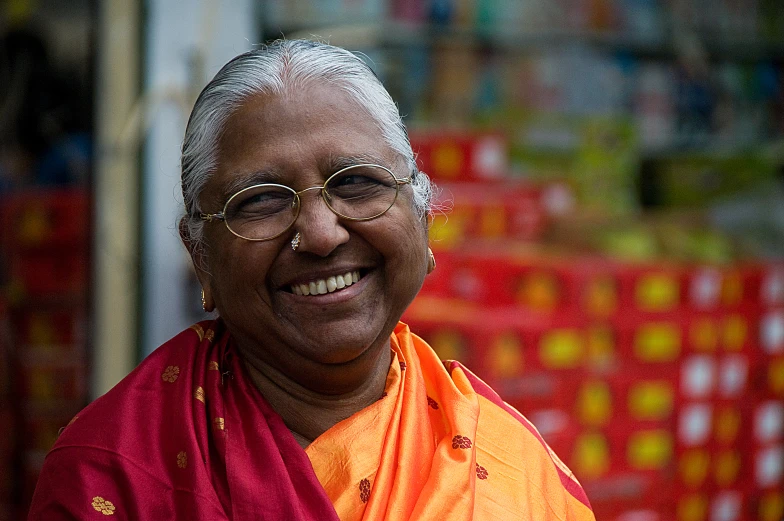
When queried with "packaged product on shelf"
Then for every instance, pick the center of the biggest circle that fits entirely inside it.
(642, 20)
(605, 166)
(501, 16)
(772, 23)
(408, 10)
(698, 180)
(455, 72)
(301, 14)
(654, 106)
(413, 85)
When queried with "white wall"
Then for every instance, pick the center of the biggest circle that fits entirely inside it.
(186, 42)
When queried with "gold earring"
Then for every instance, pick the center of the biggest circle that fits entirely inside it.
(295, 241)
(203, 300)
(431, 261)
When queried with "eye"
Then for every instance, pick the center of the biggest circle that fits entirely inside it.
(259, 201)
(354, 179)
(365, 179)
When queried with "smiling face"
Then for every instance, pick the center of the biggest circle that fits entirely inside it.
(330, 342)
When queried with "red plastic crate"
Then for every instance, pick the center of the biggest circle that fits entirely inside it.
(461, 156)
(51, 219)
(41, 274)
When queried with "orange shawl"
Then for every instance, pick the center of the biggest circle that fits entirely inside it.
(441, 445)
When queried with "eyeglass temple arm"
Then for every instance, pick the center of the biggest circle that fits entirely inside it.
(209, 217)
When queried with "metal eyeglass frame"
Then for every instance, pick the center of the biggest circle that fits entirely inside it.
(221, 216)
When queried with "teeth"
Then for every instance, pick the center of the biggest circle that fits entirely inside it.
(328, 285)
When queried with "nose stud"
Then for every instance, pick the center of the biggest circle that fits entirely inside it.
(295, 241)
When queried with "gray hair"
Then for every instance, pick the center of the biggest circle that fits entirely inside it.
(270, 70)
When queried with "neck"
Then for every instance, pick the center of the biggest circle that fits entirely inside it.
(307, 413)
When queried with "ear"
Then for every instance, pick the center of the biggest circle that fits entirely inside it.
(431, 261)
(199, 259)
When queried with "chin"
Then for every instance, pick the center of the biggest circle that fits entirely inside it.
(338, 352)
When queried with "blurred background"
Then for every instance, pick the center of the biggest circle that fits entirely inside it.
(610, 251)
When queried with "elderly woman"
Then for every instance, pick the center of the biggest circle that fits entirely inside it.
(306, 219)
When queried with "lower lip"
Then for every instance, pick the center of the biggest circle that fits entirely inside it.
(336, 296)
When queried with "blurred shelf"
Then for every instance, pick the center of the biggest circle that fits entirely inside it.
(401, 35)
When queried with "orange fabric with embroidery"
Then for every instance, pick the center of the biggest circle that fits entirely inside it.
(441, 445)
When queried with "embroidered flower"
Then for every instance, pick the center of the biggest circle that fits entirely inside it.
(432, 403)
(213, 366)
(182, 459)
(364, 490)
(219, 423)
(209, 335)
(199, 331)
(461, 442)
(171, 374)
(481, 472)
(103, 506)
(198, 393)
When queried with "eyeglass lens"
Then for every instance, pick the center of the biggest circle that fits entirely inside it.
(362, 192)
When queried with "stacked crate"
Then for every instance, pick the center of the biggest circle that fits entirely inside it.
(45, 247)
(661, 385)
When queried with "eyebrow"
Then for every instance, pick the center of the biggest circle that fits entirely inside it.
(334, 163)
(241, 181)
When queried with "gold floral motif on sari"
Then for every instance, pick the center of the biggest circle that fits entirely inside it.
(170, 374)
(103, 506)
(182, 459)
(199, 331)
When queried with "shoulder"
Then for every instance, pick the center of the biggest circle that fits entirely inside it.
(135, 439)
(130, 404)
(148, 414)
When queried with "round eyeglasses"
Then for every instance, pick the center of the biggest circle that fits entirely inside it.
(356, 193)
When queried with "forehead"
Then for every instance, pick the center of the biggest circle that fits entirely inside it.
(302, 130)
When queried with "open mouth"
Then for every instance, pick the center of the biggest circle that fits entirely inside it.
(328, 285)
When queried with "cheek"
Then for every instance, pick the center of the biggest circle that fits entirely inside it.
(408, 243)
(237, 268)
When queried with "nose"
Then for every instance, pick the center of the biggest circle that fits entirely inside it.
(321, 230)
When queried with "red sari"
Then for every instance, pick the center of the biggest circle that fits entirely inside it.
(187, 436)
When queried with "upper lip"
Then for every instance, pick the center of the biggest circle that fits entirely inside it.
(307, 276)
